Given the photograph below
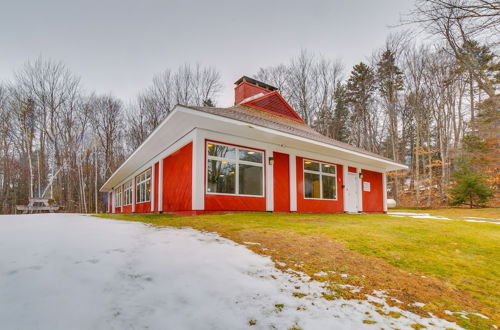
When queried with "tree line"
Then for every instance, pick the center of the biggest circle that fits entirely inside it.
(62, 143)
(432, 105)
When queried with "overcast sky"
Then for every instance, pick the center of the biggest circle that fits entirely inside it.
(116, 46)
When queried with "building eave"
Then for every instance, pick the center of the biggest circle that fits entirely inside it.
(123, 174)
(391, 165)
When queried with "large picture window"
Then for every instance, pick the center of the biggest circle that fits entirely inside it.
(320, 180)
(127, 189)
(118, 197)
(143, 187)
(234, 170)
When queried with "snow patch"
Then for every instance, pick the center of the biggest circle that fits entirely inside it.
(62, 270)
(428, 216)
(251, 243)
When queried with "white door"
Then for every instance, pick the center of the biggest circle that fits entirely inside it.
(351, 192)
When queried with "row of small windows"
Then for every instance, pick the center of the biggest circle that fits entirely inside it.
(143, 190)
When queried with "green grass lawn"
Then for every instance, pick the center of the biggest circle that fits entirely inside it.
(446, 264)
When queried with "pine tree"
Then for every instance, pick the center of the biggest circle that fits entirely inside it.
(470, 187)
(360, 89)
(340, 114)
(479, 61)
(208, 103)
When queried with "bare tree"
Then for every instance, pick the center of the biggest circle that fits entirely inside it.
(301, 85)
(459, 22)
(107, 123)
(188, 85)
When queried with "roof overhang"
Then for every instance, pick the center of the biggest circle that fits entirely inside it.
(220, 124)
(179, 124)
(182, 120)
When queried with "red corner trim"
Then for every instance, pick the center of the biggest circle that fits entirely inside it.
(251, 104)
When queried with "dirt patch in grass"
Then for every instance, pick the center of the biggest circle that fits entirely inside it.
(315, 254)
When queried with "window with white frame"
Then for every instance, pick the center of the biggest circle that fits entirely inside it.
(128, 192)
(234, 170)
(118, 197)
(143, 187)
(320, 180)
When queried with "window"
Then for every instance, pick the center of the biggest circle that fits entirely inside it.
(234, 171)
(320, 180)
(128, 192)
(118, 197)
(143, 187)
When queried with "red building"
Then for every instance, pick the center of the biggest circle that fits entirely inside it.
(255, 156)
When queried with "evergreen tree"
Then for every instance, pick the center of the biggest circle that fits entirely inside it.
(208, 103)
(479, 61)
(340, 114)
(469, 187)
(360, 89)
(479, 58)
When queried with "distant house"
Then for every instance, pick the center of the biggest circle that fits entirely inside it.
(257, 155)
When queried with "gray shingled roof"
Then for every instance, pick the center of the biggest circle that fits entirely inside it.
(278, 123)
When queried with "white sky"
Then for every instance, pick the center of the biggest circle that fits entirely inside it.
(116, 46)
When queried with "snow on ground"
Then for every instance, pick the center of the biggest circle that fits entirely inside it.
(428, 216)
(63, 271)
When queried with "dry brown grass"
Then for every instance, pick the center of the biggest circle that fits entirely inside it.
(313, 254)
(446, 265)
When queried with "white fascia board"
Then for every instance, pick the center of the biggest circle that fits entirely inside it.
(170, 149)
(256, 143)
(155, 131)
(391, 165)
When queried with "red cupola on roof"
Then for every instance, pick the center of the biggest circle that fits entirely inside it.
(256, 94)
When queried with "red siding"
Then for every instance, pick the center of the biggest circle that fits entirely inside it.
(373, 199)
(245, 90)
(127, 209)
(118, 209)
(352, 169)
(143, 207)
(281, 170)
(315, 205)
(177, 180)
(234, 203)
(155, 190)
